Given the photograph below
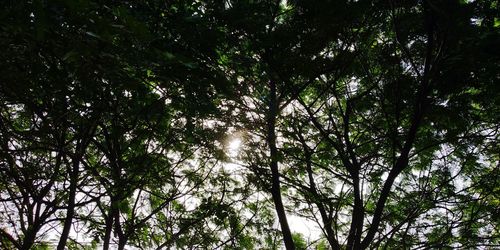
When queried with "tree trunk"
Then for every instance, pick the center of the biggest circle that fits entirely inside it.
(122, 238)
(275, 189)
(354, 238)
(29, 238)
(70, 212)
(108, 229)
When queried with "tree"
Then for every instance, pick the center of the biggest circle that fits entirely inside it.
(103, 133)
(376, 121)
(366, 108)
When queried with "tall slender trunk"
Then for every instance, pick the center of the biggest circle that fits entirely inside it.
(418, 114)
(29, 237)
(121, 243)
(74, 173)
(354, 238)
(122, 238)
(109, 227)
(327, 220)
(275, 188)
(70, 211)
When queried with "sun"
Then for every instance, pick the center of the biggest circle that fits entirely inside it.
(233, 146)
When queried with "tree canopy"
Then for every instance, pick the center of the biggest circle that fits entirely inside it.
(228, 124)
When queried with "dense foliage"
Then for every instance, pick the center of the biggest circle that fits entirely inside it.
(374, 123)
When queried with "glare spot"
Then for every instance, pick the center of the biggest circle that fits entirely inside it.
(234, 147)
